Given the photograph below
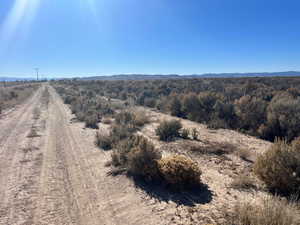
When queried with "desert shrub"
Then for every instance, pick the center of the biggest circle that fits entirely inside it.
(267, 210)
(223, 115)
(140, 118)
(195, 133)
(150, 102)
(179, 171)
(168, 130)
(103, 141)
(191, 107)
(123, 147)
(217, 123)
(124, 117)
(279, 168)
(284, 118)
(185, 133)
(251, 112)
(121, 132)
(296, 144)
(142, 159)
(175, 107)
(69, 99)
(13, 94)
(133, 119)
(243, 182)
(91, 121)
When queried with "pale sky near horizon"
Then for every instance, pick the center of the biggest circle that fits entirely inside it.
(97, 37)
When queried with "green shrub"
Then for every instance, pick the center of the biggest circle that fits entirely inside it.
(279, 168)
(179, 171)
(168, 130)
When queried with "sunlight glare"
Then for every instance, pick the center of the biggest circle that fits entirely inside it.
(19, 18)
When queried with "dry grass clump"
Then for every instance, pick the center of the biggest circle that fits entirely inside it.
(279, 167)
(103, 141)
(268, 210)
(185, 133)
(140, 118)
(179, 171)
(168, 130)
(195, 134)
(243, 182)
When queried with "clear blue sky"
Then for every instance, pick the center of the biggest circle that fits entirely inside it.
(95, 37)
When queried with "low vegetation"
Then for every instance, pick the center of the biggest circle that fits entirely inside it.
(243, 182)
(168, 130)
(179, 171)
(139, 157)
(263, 107)
(267, 210)
(16, 93)
(143, 159)
(279, 167)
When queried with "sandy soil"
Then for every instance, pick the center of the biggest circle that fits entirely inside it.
(55, 175)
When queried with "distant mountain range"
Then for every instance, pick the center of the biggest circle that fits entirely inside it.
(171, 76)
(11, 79)
(206, 75)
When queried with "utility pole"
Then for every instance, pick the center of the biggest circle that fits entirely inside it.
(37, 73)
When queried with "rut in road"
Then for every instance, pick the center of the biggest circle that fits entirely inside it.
(58, 176)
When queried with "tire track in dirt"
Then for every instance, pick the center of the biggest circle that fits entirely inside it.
(80, 190)
(69, 194)
(20, 159)
(59, 177)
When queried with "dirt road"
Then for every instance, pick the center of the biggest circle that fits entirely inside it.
(51, 172)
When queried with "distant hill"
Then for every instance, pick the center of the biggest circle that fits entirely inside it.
(11, 79)
(206, 75)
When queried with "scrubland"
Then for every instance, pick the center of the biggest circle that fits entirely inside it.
(14, 93)
(216, 151)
